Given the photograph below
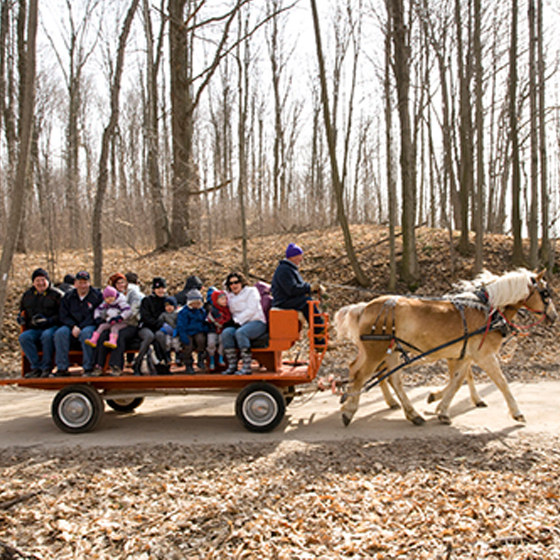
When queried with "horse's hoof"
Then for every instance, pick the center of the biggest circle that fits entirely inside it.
(481, 404)
(520, 418)
(346, 419)
(444, 419)
(343, 398)
(431, 398)
(418, 421)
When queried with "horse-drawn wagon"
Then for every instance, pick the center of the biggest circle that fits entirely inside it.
(262, 397)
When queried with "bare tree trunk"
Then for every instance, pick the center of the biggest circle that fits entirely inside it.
(337, 186)
(161, 222)
(108, 134)
(26, 134)
(547, 248)
(243, 91)
(534, 167)
(465, 132)
(409, 272)
(517, 256)
(391, 186)
(479, 116)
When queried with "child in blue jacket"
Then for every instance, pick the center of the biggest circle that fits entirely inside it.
(192, 329)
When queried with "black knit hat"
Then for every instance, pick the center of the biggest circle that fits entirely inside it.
(158, 282)
(39, 272)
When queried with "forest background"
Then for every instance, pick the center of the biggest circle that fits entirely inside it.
(158, 125)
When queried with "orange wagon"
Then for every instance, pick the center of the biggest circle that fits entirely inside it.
(262, 397)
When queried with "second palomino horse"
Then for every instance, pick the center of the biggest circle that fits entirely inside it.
(464, 329)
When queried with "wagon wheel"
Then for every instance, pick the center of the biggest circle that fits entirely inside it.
(77, 409)
(289, 395)
(260, 407)
(124, 404)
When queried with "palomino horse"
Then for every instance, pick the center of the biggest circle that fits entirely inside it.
(463, 329)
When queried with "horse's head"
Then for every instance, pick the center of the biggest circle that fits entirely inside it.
(540, 300)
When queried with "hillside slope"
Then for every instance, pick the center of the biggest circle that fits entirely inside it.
(325, 260)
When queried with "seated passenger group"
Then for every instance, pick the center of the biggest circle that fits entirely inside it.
(105, 322)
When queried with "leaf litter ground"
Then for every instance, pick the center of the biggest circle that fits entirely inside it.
(472, 496)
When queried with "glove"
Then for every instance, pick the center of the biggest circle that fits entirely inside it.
(39, 321)
(114, 320)
(167, 329)
(318, 288)
(21, 319)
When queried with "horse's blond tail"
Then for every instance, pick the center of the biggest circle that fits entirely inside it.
(347, 320)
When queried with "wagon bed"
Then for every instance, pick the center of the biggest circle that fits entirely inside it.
(262, 396)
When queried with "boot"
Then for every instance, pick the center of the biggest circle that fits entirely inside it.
(247, 361)
(212, 363)
(189, 369)
(231, 357)
(221, 361)
(93, 340)
(112, 342)
(201, 361)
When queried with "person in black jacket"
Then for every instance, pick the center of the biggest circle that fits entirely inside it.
(38, 314)
(192, 283)
(151, 308)
(77, 323)
(290, 291)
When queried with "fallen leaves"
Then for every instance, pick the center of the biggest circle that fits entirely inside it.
(469, 497)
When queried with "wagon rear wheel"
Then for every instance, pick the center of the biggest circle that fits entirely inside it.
(260, 407)
(125, 405)
(77, 409)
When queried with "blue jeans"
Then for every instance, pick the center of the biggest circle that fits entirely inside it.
(243, 335)
(62, 340)
(32, 340)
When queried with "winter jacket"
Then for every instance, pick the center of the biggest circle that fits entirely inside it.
(134, 298)
(246, 306)
(33, 304)
(151, 309)
(119, 308)
(192, 283)
(76, 312)
(190, 321)
(289, 291)
(218, 316)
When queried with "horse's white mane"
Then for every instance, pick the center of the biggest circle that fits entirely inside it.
(507, 289)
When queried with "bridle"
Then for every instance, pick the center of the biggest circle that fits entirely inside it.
(544, 293)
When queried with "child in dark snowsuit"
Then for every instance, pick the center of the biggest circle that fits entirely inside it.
(191, 330)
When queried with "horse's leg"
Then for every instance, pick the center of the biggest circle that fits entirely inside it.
(387, 395)
(475, 397)
(360, 369)
(491, 366)
(395, 380)
(457, 372)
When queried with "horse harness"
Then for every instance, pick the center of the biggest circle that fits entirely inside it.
(496, 322)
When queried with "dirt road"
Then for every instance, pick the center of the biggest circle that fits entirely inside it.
(25, 419)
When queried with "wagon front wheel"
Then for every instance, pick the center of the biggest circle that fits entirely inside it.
(260, 407)
(125, 405)
(77, 409)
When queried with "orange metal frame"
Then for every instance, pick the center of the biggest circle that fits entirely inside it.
(284, 331)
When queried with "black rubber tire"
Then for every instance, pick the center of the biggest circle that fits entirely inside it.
(260, 407)
(77, 409)
(125, 405)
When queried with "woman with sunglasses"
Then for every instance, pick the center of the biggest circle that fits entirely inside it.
(244, 303)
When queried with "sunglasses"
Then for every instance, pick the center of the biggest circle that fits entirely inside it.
(232, 282)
